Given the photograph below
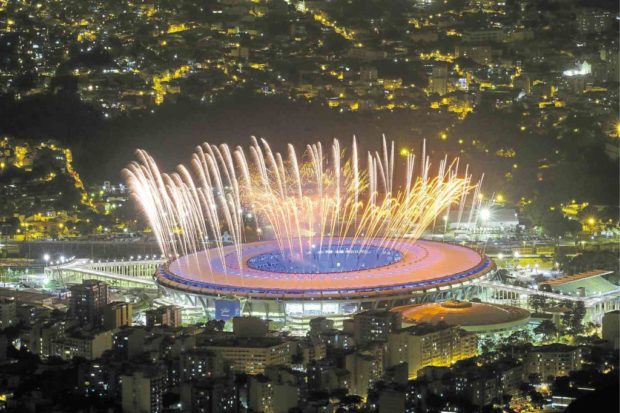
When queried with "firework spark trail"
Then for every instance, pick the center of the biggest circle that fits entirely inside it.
(311, 203)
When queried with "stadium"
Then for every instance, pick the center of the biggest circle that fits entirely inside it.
(406, 273)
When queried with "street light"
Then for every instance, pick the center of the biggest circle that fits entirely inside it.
(46, 258)
(515, 256)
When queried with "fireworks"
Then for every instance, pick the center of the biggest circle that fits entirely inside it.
(318, 201)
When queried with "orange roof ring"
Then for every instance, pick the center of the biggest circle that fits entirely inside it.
(422, 265)
(474, 317)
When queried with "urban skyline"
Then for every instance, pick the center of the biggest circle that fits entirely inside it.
(401, 206)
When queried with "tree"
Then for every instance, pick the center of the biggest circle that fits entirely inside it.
(489, 408)
(579, 312)
(573, 319)
(556, 224)
(537, 302)
(547, 329)
(518, 337)
(9, 226)
(487, 345)
(589, 260)
(536, 398)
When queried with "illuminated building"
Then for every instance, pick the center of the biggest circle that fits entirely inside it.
(88, 301)
(478, 53)
(8, 312)
(129, 342)
(117, 315)
(200, 363)
(253, 355)
(78, 343)
(216, 395)
(312, 349)
(439, 79)
(484, 36)
(167, 315)
(553, 360)
(142, 391)
(372, 325)
(366, 368)
(593, 20)
(611, 329)
(368, 74)
(491, 222)
(276, 391)
(429, 345)
(480, 385)
(325, 376)
(41, 336)
(582, 69)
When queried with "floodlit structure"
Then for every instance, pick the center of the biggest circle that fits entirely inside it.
(335, 233)
(475, 317)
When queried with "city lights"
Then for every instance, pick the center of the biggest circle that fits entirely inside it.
(295, 259)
